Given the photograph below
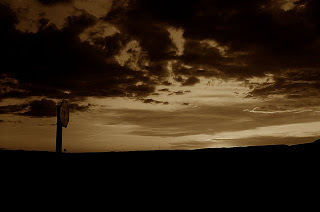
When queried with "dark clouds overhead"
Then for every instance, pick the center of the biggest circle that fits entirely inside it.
(54, 62)
(257, 37)
(225, 39)
(260, 28)
(51, 2)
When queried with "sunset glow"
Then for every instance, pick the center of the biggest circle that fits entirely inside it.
(149, 75)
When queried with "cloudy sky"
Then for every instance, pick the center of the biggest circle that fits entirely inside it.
(162, 74)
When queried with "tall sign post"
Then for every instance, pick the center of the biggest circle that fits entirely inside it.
(62, 121)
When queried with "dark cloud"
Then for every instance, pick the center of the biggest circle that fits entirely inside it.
(112, 44)
(179, 79)
(40, 108)
(73, 107)
(178, 93)
(52, 2)
(9, 87)
(259, 36)
(152, 101)
(8, 19)
(164, 90)
(153, 36)
(197, 53)
(12, 108)
(166, 83)
(136, 23)
(191, 81)
(54, 62)
(226, 39)
(292, 84)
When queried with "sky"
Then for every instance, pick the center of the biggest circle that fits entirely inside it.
(150, 75)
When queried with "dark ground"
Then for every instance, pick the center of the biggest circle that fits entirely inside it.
(268, 167)
(302, 151)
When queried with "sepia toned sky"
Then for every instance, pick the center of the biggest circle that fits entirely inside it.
(149, 75)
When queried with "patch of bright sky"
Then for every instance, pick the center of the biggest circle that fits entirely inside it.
(104, 130)
(102, 104)
(109, 132)
(97, 8)
(208, 92)
(23, 133)
(86, 132)
(287, 4)
(215, 93)
(299, 130)
(177, 38)
(259, 110)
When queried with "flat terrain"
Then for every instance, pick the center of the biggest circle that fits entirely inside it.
(310, 150)
(218, 167)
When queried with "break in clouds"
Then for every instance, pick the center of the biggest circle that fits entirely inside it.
(129, 47)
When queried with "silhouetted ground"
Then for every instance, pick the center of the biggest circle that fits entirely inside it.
(260, 166)
(304, 151)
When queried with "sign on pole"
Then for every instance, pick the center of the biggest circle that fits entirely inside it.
(62, 121)
(64, 113)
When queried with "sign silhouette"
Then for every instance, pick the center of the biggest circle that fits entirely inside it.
(62, 121)
(64, 113)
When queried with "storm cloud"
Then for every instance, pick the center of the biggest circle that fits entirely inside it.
(55, 63)
(51, 2)
(39, 108)
(221, 39)
(260, 35)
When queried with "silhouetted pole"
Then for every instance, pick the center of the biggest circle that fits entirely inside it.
(62, 121)
(59, 132)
